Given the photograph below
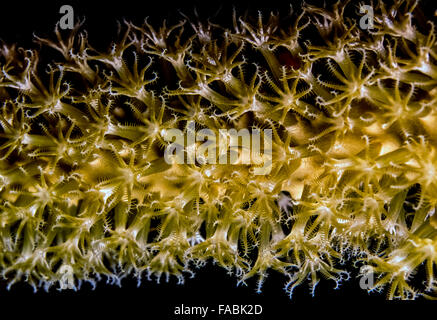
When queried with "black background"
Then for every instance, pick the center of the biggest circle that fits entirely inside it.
(211, 285)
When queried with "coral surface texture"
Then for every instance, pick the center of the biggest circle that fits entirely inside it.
(343, 178)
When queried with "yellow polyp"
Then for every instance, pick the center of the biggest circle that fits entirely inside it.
(323, 157)
(389, 144)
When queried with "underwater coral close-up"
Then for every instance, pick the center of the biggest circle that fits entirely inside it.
(94, 187)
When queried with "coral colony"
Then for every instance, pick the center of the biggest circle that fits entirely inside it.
(250, 146)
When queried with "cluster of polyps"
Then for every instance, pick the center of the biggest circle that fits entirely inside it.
(89, 187)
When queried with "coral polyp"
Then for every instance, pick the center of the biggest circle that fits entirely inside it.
(87, 189)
